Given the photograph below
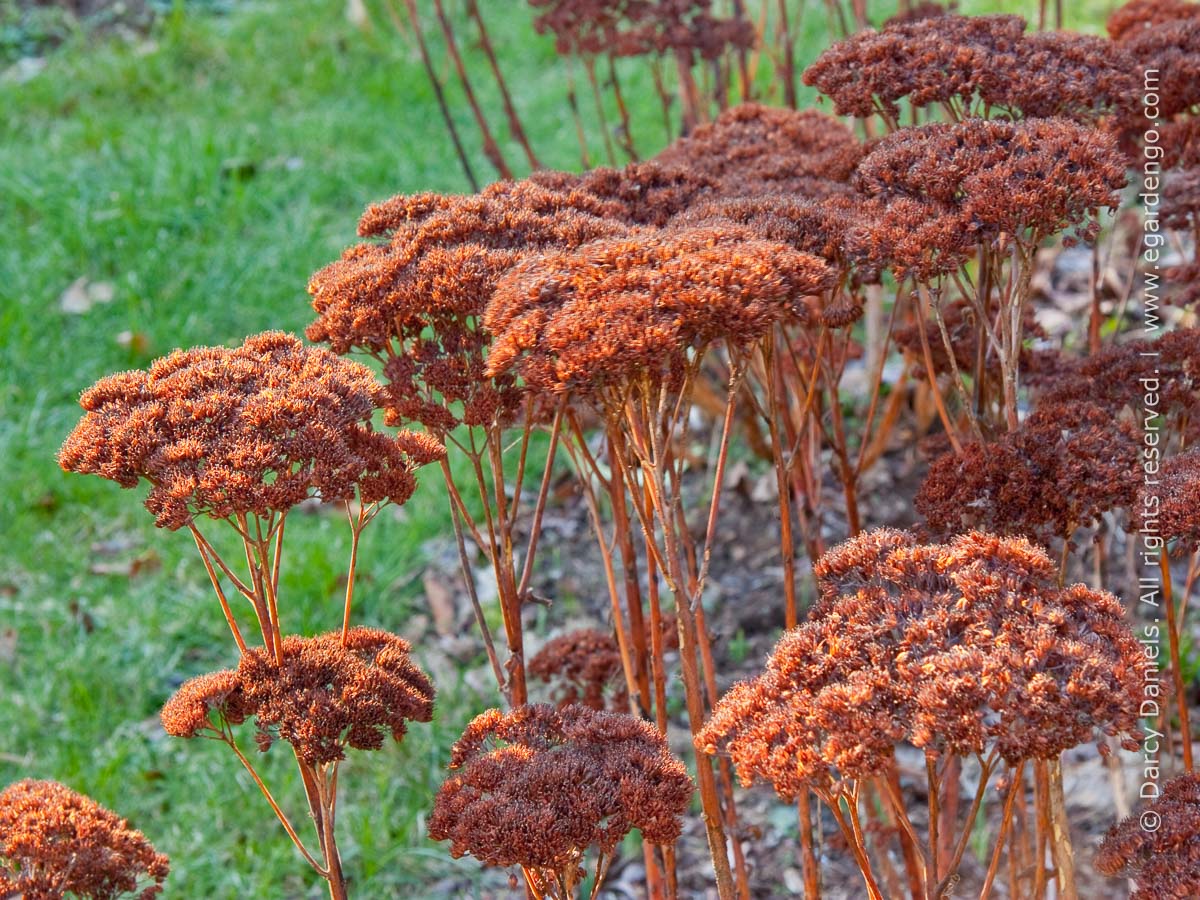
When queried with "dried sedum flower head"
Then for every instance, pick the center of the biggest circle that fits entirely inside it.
(1062, 469)
(1181, 201)
(641, 193)
(1165, 861)
(205, 703)
(55, 842)
(414, 300)
(926, 62)
(586, 320)
(329, 694)
(941, 189)
(753, 149)
(640, 27)
(1174, 501)
(584, 666)
(1139, 15)
(965, 648)
(1173, 48)
(537, 786)
(962, 324)
(253, 430)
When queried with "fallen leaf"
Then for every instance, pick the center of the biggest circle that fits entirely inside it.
(440, 593)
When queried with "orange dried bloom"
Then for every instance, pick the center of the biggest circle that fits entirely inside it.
(584, 666)
(191, 709)
(641, 193)
(327, 695)
(537, 786)
(1164, 861)
(942, 189)
(966, 648)
(253, 430)
(1139, 15)
(55, 842)
(589, 319)
(926, 62)
(753, 149)
(415, 300)
(1174, 501)
(1063, 468)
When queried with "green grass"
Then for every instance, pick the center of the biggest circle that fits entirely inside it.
(205, 174)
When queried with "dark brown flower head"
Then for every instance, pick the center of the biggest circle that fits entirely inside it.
(1063, 468)
(962, 648)
(1181, 201)
(538, 786)
(1139, 15)
(55, 842)
(590, 319)
(927, 62)
(753, 149)
(415, 299)
(1062, 73)
(1116, 379)
(640, 27)
(942, 189)
(328, 695)
(1173, 49)
(583, 666)
(253, 430)
(641, 193)
(832, 228)
(203, 703)
(1172, 505)
(1164, 861)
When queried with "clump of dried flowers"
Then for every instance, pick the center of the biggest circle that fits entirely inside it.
(962, 649)
(55, 842)
(584, 667)
(1163, 861)
(541, 788)
(242, 436)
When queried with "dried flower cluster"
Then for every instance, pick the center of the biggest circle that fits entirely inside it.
(963, 648)
(252, 430)
(753, 149)
(613, 310)
(415, 300)
(961, 323)
(55, 842)
(583, 666)
(537, 786)
(944, 189)
(1163, 861)
(641, 193)
(327, 694)
(1064, 467)
(1140, 15)
(1173, 502)
(971, 65)
(640, 27)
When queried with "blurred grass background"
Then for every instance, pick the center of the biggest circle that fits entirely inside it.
(199, 174)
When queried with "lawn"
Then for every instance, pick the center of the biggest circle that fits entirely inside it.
(199, 177)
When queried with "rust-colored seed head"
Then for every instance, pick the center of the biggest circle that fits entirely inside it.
(614, 310)
(415, 299)
(538, 786)
(192, 708)
(1165, 861)
(942, 189)
(926, 62)
(326, 695)
(962, 648)
(1174, 501)
(1063, 468)
(639, 27)
(253, 430)
(55, 842)
(583, 666)
(1140, 15)
(754, 149)
(641, 193)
